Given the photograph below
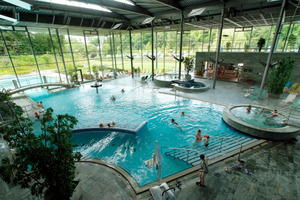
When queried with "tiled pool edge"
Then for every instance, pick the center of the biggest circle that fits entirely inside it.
(141, 189)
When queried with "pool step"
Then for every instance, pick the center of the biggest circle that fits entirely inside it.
(212, 151)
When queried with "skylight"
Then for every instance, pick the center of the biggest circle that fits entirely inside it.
(19, 4)
(195, 12)
(77, 4)
(127, 2)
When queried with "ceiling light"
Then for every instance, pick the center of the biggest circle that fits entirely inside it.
(77, 4)
(272, 1)
(8, 18)
(19, 4)
(167, 27)
(197, 11)
(229, 20)
(127, 2)
(116, 26)
(148, 20)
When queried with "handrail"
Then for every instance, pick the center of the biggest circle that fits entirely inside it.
(172, 188)
(279, 111)
(210, 137)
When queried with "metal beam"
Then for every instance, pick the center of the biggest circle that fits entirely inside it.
(130, 46)
(218, 47)
(247, 20)
(71, 50)
(273, 45)
(100, 54)
(62, 56)
(263, 18)
(170, 3)
(87, 55)
(53, 49)
(152, 49)
(180, 45)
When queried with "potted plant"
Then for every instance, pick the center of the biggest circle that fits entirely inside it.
(228, 45)
(279, 76)
(246, 47)
(188, 66)
(261, 43)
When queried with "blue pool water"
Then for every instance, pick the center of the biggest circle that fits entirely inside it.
(137, 104)
(258, 118)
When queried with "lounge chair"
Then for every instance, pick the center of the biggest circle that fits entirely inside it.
(295, 90)
(255, 92)
(295, 104)
(290, 98)
(259, 95)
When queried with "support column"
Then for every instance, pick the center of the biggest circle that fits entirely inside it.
(152, 49)
(62, 56)
(53, 49)
(130, 45)
(101, 63)
(111, 53)
(113, 37)
(232, 40)
(87, 55)
(142, 51)
(218, 47)
(250, 38)
(122, 51)
(165, 51)
(156, 51)
(209, 39)
(37, 66)
(269, 38)
(11, 62)
(285, 46)
(202, 40)
(180, 46)
(71, 52)
(273, 45)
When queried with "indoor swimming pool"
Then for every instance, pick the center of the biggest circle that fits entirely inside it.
(139, 103)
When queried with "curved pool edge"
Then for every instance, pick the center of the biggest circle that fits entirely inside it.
(284, 133)
(141, 189)
(123, 130)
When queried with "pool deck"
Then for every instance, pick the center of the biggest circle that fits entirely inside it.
(275, 174)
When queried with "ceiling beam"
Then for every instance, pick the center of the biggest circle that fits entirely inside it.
(171, 3)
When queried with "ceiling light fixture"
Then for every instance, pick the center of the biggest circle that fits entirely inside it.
(8, 18)
(148, 20)
(195, 12)
(19, 3)
(116, 26)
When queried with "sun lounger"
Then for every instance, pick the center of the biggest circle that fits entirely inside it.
(259, 95)
(290, 98)
(255, 92)
(296, 104)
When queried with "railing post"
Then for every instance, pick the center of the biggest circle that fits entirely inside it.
(221, 143)
(240, 153)
(187, 160)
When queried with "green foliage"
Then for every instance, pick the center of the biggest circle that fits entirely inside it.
(280, 75)
(95, 70)
(292, 40)
(87, 77)
(228, 45)
(246, 47)
(261, 43)
(188, 64)
(45, 163)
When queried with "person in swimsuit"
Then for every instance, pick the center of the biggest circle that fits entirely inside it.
(37, 116)
(206, 141)
(175, 123)
(203, 170)
(101, 125)
(248, 108)
(198, 136)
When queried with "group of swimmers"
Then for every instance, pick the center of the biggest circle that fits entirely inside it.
(113, 98)
(109, 125)
(199, 138)
(40, 104)
(273, 113)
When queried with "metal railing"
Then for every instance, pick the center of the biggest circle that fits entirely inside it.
(199, 152)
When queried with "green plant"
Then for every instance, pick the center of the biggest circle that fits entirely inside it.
(95, 70)
(292, 41)
(246, 47)
(228, 45)
(44, 163)
(188, 64)
(261, 43)
(280, 75)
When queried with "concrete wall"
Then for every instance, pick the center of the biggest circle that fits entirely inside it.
(250, 60)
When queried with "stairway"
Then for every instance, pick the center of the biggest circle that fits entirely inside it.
(293, 115)
(212, 151)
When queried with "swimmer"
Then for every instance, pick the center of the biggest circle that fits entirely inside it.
(113, 97)
(248, 108)
(123, 90)
(275, 114)
(175, 123)
(206, 141)
(113, 123)
(101, 125)
(109, 126)
(198, 136)
(37, 116)
(183, 114)
(41, 104)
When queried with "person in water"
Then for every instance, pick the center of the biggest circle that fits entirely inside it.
(113, 98)
(101, 125)
(175, 123)
(206, 140)
(248, 108)
(198, 136)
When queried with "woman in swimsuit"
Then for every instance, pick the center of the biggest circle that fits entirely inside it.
(203, 170)
(198, 136)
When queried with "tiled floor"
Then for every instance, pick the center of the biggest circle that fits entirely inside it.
(275, 174)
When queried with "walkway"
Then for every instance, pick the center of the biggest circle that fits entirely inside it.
(29, 87)
(275, 174)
